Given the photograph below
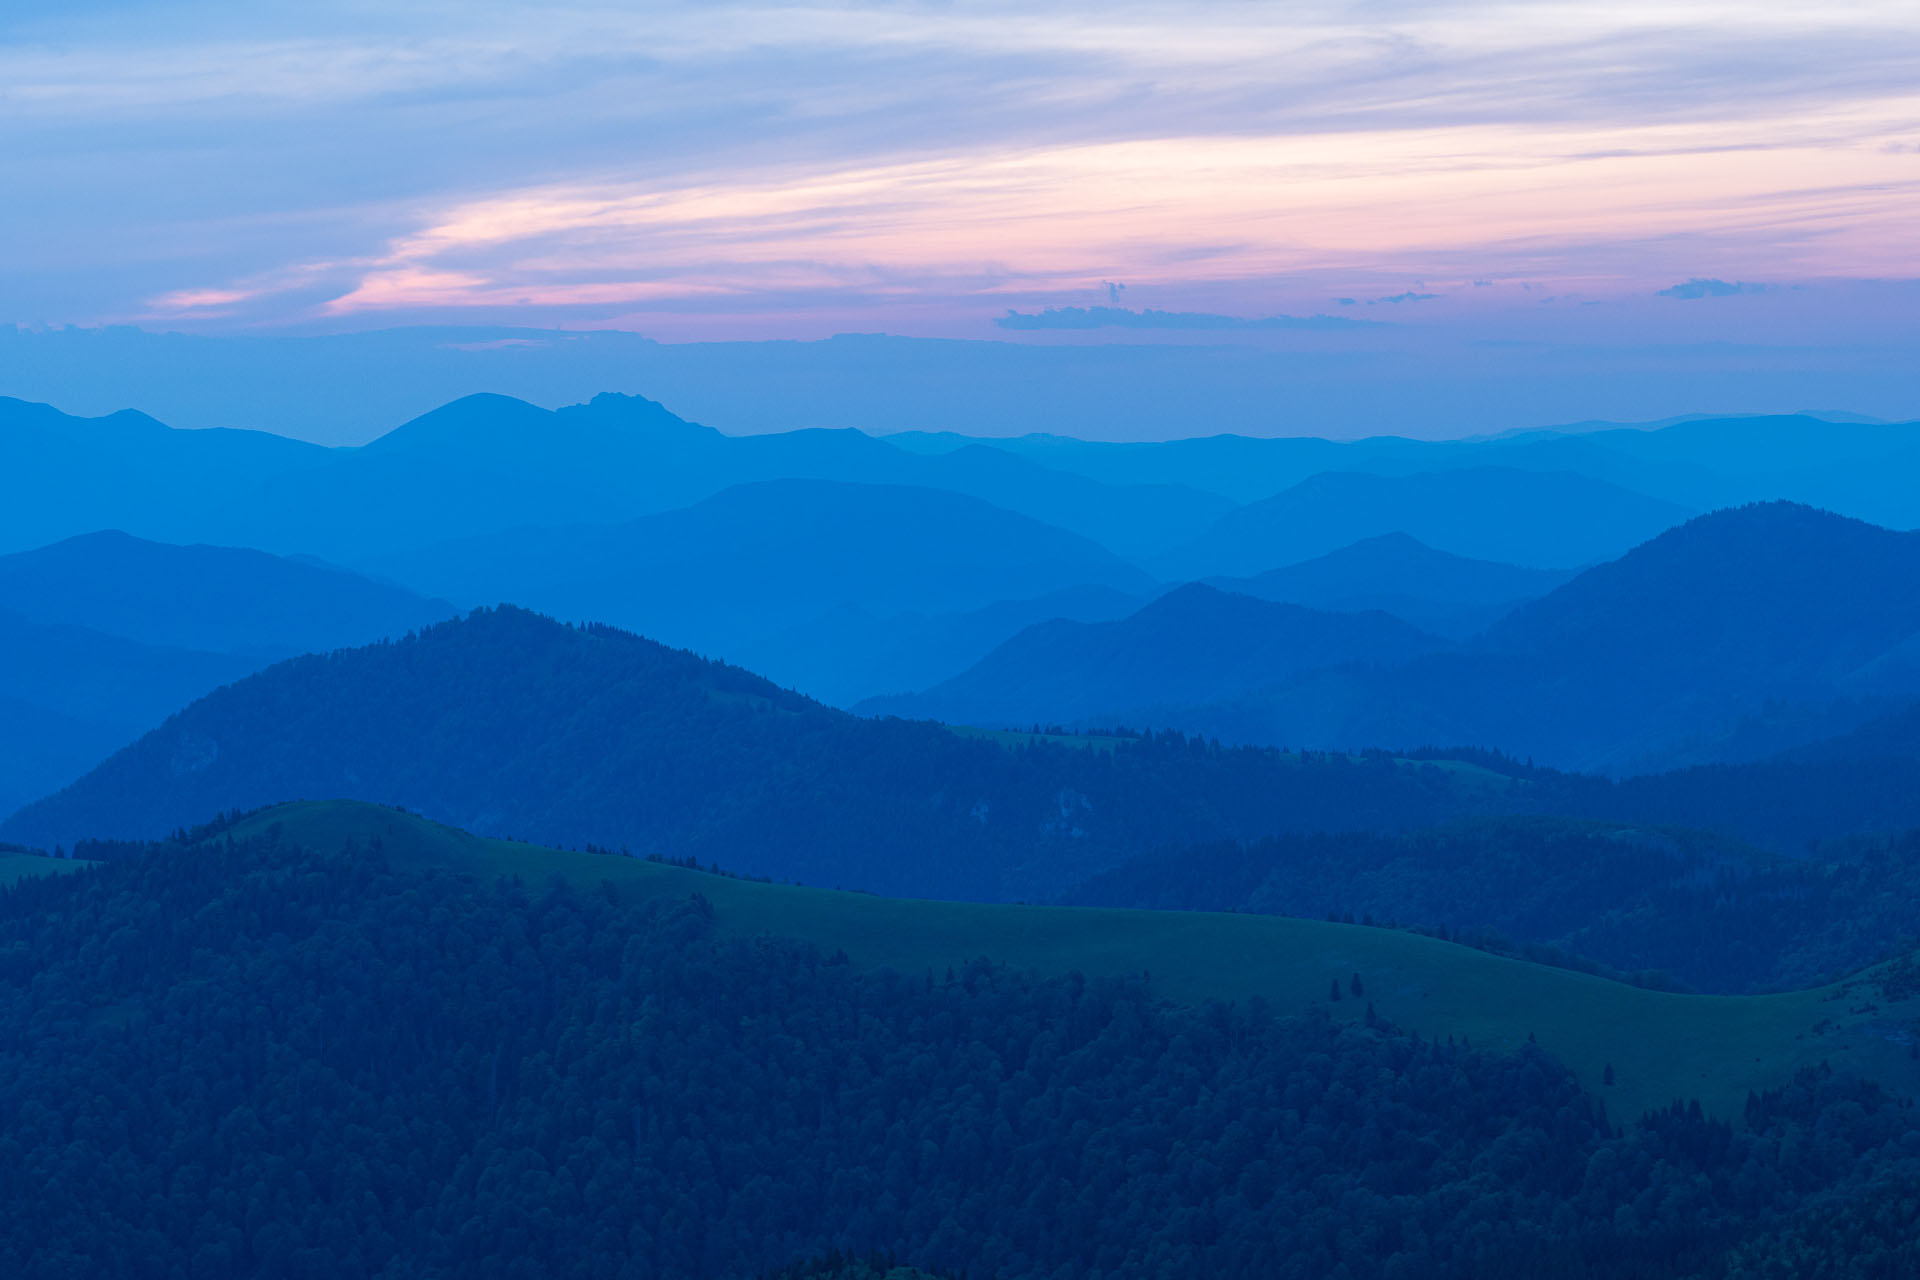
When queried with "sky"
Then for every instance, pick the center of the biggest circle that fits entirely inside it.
(1607, 174)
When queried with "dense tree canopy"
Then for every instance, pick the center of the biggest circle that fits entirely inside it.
(247, 1060)
(1709, 912)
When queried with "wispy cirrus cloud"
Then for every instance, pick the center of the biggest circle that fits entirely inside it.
(580, 160)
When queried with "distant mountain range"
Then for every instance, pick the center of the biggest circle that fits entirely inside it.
(484, 464)
(1191, 646)
(219, 599)
(1862, 469)
(732, 573)
(852, 567)
(1539, 519)
(102, 636)
(69, 695)
(859, 651)
(1774, 597)
(1395, 573)
(517, 725)
(488, 463)
(1773, 608)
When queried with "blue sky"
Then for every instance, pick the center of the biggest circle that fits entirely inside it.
(1637, 178)
(736, 170)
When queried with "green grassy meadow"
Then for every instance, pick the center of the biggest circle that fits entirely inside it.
(1662, 1046)
(17, 866)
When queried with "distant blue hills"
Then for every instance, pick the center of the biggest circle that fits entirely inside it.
(1192, 646)
(104, 635)
(1373, 592)
(1538, 519)
(229, 600)
(756, 560)
(1861, 469)
(1662, 656)
(485, 464)
(1395, 573)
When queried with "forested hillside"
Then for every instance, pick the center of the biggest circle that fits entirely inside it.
(1692, 908)
(318, 1063)
(508, 723)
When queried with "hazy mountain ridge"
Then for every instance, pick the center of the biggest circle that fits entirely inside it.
(1861, 469)
(1682, 638)
(728, 574)
(855, 652)
(1395, 573)
(1539, 520)
(70, 695)
(104, 635)
(488, 463)
(1194, 644)
(220, 599)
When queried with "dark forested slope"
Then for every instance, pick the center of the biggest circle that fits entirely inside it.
(508, 723)
(244, 1059)
(1705, 911)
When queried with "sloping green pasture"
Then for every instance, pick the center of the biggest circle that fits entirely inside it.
(1661, 1046)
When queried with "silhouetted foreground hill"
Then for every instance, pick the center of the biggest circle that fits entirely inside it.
(349, 1058)
(509, 723)
(1192, 645)
(219, 599)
